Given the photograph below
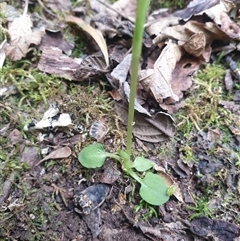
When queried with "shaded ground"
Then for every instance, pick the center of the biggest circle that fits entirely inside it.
(36, 201)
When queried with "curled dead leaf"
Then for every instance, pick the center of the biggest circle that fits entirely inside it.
(159, 80)
(169, 181)
(95, 33)
(195, 44)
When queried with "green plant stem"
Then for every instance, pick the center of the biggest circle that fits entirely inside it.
(135, 176)
(136, 53)
(114, 156)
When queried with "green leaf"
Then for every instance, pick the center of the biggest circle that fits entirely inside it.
(142, 164)
(154, 189)
(93, 156)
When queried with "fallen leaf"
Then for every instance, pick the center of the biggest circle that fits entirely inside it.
(60, 153)
(213, 9)
(222, 230)
(120, 72)
(158, 82)
(181, 169)
(215, 12)
(231, 105)
(90, 67)
(53, 61)
(55, 39)
(30, 155)
(184, 32)
(114, 94)
(169, 181)
(126, 8)
(137, 106)
(147, 128)
(119, 79)
(228, 26)
(15, 137)
(181, 80)
(155, 28)
(111, 26)
(95, 33)
(195, 45)
(166, 231)
(21, 36)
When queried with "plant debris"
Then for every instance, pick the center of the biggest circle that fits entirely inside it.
(77, 54)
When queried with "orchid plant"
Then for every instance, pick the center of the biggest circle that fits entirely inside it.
(154, 189)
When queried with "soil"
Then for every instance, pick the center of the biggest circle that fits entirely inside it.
(37, 197)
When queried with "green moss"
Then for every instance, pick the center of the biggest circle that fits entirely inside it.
(145, 211)
(202, 109)
(201, 208)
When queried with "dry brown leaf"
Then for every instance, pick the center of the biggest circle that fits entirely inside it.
(137, 106)
(230, 105)
(195, 45)
(163, 69)
(111, 26)
(181, 76)
(159, 81)
(184, 32)
(155, 28)
(60, 153)
(215, 12)
(21, 36)
(147, 128)
(55, 39)
(229, 27)
(95, 33)
(53, 61)
(91, 66)
(126, 8)
(169, 181)
(212, 9)
(166, 231)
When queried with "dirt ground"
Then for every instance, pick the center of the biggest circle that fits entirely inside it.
(37, 195)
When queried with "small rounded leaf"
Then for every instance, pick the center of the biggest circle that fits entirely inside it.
(154, 189)
(142, 164)
(92, 156)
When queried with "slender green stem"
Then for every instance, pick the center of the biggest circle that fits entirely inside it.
(114, 156)
(136, 53)
(135, 176)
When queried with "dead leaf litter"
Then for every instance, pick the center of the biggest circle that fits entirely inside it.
(186, 120)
